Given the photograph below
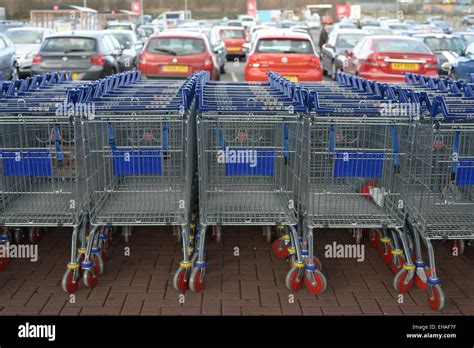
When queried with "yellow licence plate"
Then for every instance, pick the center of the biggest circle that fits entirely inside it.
(233, 49)
(75, 76)
(404, 66)
(291, 78)
(175, 68)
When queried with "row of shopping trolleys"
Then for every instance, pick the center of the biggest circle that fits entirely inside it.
(391, 162)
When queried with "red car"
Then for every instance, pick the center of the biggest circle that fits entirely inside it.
(234, 38)
(177, 54)
(288, 53)
(385, 58)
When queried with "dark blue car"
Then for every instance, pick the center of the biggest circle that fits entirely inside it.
(463, 66)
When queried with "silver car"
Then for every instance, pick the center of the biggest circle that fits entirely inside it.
(27, 41)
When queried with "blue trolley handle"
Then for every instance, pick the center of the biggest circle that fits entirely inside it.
(165, 140)
(396, 155)
(454, 165)
(332, 140)
(220, 138)
(286, 132)
(57, 144)
(111, 135)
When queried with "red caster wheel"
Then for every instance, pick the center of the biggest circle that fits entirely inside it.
(397, 263)
(70, 281)
(98, 263)
(280, 249)
(374, 240)
(295, 278)
(180, 279)
(399, 282)
(315, 282)
(197, 279)
(90, 277)
(385, 252)
(267, 234)
(460, 246)
(34, 235)
(421, 281)
(436, 297)
(3, 263)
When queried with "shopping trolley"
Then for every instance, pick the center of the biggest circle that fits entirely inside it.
(139, 157)
(246, 139)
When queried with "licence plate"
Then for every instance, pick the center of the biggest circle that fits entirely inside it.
(233, 49)
(75, 76)
(291, 78)
(404, 66)
(175, 68)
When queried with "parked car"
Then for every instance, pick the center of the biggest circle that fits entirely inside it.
(89, 55)
(338, 43)
(120, 26)
(446, 47)
(463, 66)
(369, 22)
(431, 19)
(27, 41)
(8, 62)
(147, 30)
(289, 53)
(313, 21)
(177, 54)
(466, 37)
(234, 38)
(410, 23)
(468, 20)
(386, 58)
(445, 27)
(131, 46)
(395, 26)
(377, 30)
(344, 25)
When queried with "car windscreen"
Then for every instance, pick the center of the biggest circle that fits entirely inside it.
(125, 39)
(398, 26)
(148, 31)
(379, 31)
(445, 44)
(401, 46)
(25, 36)
(232, 34)
(284, 46)
(69, 44)
(176, 46)
(348, 40)
(469, 39)
(118, 27)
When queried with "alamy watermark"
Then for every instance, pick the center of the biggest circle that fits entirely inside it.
(395, 109)
(22, 251)
(345, 251)
(232, 156)
(85, 110)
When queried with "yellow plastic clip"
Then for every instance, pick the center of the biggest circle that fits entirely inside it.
(190, 250)
(409, 267)
(397, 252)
(291, 250)
(280, 227)
(81, 251)
(385, 239)
(191, 237)
(192, 226)
(72, 265)
(186, 264)
(298, 264)
(285, 237)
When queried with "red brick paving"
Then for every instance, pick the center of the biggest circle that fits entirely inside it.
(251, 284)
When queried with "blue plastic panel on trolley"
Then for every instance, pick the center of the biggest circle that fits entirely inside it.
(349, 164)
(465, 172)
(137, 162)
(248, 162)
(27, 163)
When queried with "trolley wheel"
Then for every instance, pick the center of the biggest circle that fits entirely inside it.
(217, 234)
(460, 245)
(180, 279)
(177, 234)
(374, 240)
(395, 265)
(385, 253)
(422, 283)
(399, 282)
(70, 281)
(90, 277)
(34, 235)
(18, 236)
(436, 297)
(98, 263)
(280, 249)
(4, 261)
(294, 278)
(197, 279)
(315, 282)
(267, 234)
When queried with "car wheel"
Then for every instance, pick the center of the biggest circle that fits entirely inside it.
(15, 73)
(333, 70)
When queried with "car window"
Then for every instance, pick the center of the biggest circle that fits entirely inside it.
(358, 47)
(108, 43)
(125, 39)
(115, 43)
(470, 50)
(25, 36)
(176, 46)
(2, 44)
(232, 34)
(69, 44)
(214, 38)
(468, 38)
(348, 40)
(444, 44)
(284, 46)
(401, 46)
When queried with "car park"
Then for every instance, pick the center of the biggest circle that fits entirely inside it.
(445, 27)
(377, 30)
(466, 37)
(234, 38)
(8, 61)
(115, 25)
(463, 66)
(177, 54)
(131, 47)
(147, 30)
(395, 26)
(27, 41)
(289, 53)
(468, 20)
(338, 43)
(89, 55)
(369, 22)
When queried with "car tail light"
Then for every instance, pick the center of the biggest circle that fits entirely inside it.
(375, 60)
(314, 63)
(98, 59)
(254, 62)
(208, 64)
(37, 59)
(432, 63)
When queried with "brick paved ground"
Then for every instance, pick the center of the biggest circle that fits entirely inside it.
(252, 284)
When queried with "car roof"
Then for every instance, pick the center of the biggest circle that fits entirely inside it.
(180, 33)
(349, 31)
(80, 33)
(436, 35)
(281, 33)
(393, 37)
(27, 28)
(228, 27)
(118, 31)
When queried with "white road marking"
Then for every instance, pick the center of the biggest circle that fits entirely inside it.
(234, 77)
